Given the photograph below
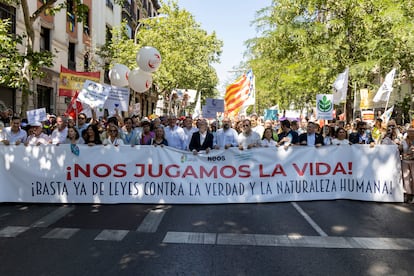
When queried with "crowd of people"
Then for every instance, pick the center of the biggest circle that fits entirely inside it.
(201, 135)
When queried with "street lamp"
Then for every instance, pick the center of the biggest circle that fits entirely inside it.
(140, 24)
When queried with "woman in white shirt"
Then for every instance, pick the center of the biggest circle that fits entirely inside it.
(113, 136)
(341, 137)
(267, 139)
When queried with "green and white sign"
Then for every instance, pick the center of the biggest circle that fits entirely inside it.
(324, 106)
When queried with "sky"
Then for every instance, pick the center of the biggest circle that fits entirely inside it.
(231, 20)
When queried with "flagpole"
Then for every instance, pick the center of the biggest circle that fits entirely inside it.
(353, 113)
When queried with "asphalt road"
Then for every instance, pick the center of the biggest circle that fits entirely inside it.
(304, 238)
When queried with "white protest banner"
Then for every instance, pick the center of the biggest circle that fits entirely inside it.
(155, 175)
(118, 98)
(215, 105)
(324, 106)
(36, 115)
(94, 94)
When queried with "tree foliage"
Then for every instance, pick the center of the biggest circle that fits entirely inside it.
(187, 51)
(307, 43)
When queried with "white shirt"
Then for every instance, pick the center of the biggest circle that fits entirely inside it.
(115, 142)
(20, 135)
(225, 137)
(43, 139)
(59, 136)
(188, 134)
(175, 137)
(252, 138)
(268, 143)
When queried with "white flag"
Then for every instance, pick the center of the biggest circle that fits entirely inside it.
(340, 87)
(197, 109)
(384, 92)
(387, 115)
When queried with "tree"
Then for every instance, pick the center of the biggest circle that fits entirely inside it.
(306, 44)
(187, 51)
(28, 64)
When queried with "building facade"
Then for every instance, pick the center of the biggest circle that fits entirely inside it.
(74, 46)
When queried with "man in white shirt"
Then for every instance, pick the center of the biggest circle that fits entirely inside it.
(15, 135)
(38, 137)
(225, 137)
(174, 134)
(188, 130)
(60, 133)
(248, 138)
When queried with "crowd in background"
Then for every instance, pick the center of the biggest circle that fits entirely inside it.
(201, 135)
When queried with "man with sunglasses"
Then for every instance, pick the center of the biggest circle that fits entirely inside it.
(248, 139)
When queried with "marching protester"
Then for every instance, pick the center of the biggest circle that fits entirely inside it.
(201, 139)
(159, 139)
(38, 137)
(267, 139)
(92, 136)
(128, 134)
(112, 136)
(73, 136)
(226, 136)
(60, 132)
(341, 137)
(15, 135)
(248, 138)
(311, 137)
(174, 134)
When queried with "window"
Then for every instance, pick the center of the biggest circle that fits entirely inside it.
(72, 56)
(8, 12)
(44, 97)
(44, 39)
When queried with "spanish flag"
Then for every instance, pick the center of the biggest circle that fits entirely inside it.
(72, 81)
(240, 94)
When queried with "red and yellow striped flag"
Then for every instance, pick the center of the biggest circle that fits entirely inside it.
(237, 94)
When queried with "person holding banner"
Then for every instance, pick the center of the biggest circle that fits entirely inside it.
(267, 139)
(129, 135)
(38, 137)
(201, 139)
(112, 136)
(159, 139)
(226, 136)
(288, 136)
(311, 137)
(248, 138)
(73, 136)
(174, 134)
(60, 132)
(341, 137)
(14, 133)
(92, 136)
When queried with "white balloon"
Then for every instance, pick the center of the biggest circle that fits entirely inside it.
(119, 75)
(148, 59)
(139, 80)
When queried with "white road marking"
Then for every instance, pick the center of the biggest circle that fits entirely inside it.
(53, 216)
(309, 220)
(111, 235)
(12, 231)
(151, 221)
(289, 241)
(61, 233)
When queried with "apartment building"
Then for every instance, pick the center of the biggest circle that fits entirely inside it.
(74, 45)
